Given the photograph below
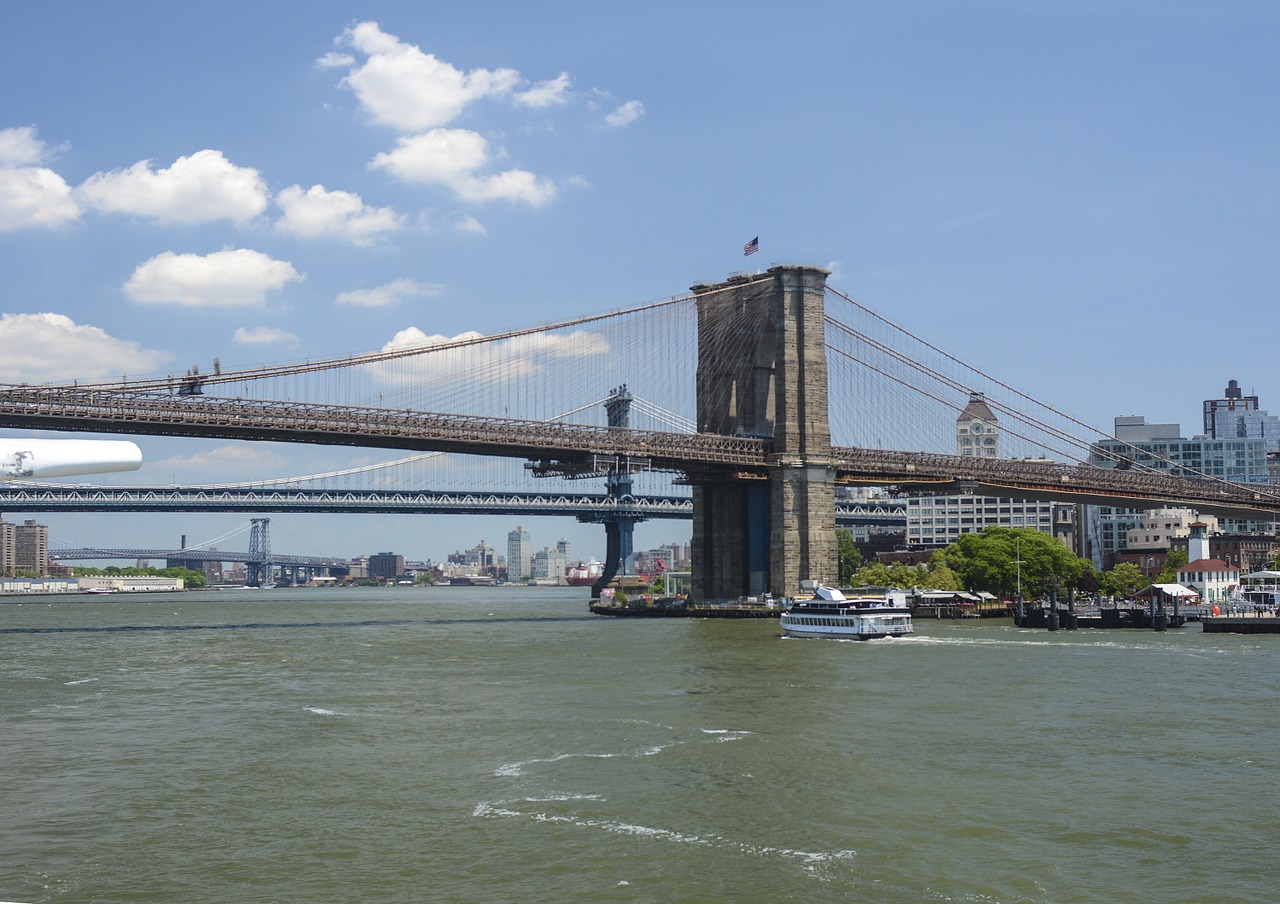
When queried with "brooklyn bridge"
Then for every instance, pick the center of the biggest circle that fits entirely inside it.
(759, 396)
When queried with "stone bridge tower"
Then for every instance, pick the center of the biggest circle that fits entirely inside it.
(762, 371)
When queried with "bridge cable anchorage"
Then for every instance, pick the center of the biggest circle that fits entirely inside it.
(1039, 424)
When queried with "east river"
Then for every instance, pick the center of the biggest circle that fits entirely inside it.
(501, 744)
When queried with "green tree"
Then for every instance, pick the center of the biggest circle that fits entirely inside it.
(1175, 560)
(873, 574)
(1122, 580)
(850, 556)
(999, 558)
(939, 576)
(877, 574)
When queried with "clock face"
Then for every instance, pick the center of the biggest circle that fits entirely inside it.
(976, 428)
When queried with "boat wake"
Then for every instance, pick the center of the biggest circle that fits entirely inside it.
(518, 768)
(520, 809)
(319, 711)
(573, 808)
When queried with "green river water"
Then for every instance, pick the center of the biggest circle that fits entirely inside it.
(502, 744)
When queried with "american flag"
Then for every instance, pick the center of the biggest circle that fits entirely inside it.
(751, 247)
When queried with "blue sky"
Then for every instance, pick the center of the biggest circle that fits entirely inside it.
(1080, 196)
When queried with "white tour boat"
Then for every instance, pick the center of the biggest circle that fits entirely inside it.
(831, 614)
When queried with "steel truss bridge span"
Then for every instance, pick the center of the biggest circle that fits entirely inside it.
(45, 498)
(565, 446)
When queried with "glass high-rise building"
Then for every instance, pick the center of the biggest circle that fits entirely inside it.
(1238, 416)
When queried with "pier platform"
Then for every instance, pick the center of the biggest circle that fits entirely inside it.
(683, 609)
(1243, 623)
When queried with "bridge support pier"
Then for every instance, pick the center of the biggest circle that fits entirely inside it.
(762, 371)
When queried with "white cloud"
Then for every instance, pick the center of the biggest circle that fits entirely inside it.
(198, 189)
(21, 147)
(626, 114)
(469, 224)
(391, 293)
(261, 335)
(315, 213)
(510, 359)
(400, 86)
(231, 460)
(53, 347)
(550, 93)
(334, 60)
(452, 157)
(224, 279)
(35, 197)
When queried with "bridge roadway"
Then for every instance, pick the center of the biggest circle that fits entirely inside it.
(561, 447)
(199, 555)
(24, 497)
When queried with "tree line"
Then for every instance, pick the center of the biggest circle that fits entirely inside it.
(1002, 561)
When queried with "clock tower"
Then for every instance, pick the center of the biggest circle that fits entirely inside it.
(977, 430)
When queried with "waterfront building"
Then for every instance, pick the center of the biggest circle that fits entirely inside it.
(30, 548)
(8, 547)
(131, 583)
(519, 554)
(940, 520)
(481, 558)
(1247, 552)
(385, 566)
(1161, 447)
(1213, 579)
(1160, 529)
(1238, 415)
(548, 564)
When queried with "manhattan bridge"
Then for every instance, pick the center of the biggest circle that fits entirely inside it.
(746, 406)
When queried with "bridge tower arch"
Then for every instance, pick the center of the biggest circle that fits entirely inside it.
(259, 567)
(619, 525)
(762, 371)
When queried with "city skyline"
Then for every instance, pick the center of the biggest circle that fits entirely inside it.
(1052, 191)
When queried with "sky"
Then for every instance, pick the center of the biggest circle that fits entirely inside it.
(1080, 196)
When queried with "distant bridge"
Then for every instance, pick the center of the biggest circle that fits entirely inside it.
(71, 554)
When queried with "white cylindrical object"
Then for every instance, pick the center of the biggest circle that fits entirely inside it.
(22, 459)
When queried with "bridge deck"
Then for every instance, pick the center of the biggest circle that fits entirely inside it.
(701, 456)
